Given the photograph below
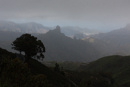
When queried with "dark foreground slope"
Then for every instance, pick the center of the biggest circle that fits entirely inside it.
(119, 66)
(55, 78)
(13, 73)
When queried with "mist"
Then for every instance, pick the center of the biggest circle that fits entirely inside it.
(104, 15)
(86, 43)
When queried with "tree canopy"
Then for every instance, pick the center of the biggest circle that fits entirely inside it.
(29, 45)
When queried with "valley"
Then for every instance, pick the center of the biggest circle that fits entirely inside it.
(100, 60)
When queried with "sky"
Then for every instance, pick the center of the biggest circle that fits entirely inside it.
(103, 15)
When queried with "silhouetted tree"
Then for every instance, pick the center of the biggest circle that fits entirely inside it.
(29, 45)
(57, 68)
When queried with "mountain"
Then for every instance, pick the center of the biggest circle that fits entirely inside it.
(71, 31)
(102, 46)
(8, 35)
(6, 38)
(118, 66)
(79, 35)
(58, 46)
(30, 27)
(118, 39)
(62, 48)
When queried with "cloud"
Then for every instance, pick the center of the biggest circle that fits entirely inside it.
(98, 11)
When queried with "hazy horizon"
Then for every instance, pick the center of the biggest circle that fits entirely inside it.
(102, 15)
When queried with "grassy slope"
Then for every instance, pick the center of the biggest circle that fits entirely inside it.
(119, 66)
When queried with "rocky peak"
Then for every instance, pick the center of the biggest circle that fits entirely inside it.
(128, 26)
(56, 30)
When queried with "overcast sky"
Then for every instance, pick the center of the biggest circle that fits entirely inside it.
(92, 14)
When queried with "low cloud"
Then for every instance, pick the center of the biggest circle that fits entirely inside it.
(102, 11)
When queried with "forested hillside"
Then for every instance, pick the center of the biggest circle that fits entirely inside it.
(118, 66)
(14, 73)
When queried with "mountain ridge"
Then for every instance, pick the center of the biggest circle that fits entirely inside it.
(118, 39)
(62, 48)
(33, 27)
(30, 27)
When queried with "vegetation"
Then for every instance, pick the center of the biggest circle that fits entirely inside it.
(30, 46)
(67, 65)
(83, 78)
(56, 78)
(111, 71)
(13, 73)
(115, 69)
(91, 79)
(118, 66)
(16, 74)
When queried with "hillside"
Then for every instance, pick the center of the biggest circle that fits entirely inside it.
(62, 48)
(37, 69)
(119, 66)
(53, 77)
(119, 39)
(105, 48)
(14, 73)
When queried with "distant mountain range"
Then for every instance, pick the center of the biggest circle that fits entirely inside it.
(63, 48)
(33, 27)
(119, 40)
(71, 31)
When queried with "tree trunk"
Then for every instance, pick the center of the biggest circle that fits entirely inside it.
(26, 58)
